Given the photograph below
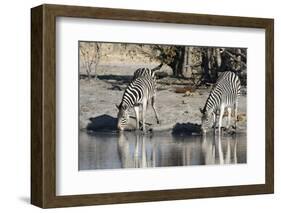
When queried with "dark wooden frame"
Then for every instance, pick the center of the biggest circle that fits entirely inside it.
(43, 105)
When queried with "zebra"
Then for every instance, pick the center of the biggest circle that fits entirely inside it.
(143, 72)
(224, 94)
(139, 92)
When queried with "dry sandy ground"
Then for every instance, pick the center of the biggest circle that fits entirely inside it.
(98, 98)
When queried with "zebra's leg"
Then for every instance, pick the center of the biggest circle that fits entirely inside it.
(235, 151)
(140, 112)
(154, 109)
(235, 113)
(220, 150)
(144, 105)
(136, 109)
(220, 118)
(214, 120)
(228, 117)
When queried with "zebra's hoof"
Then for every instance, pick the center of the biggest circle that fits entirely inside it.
(158, 122)
(231, 132)
(142, 130)
(139, 131)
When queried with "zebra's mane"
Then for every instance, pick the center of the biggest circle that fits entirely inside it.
(146, 71)
(123, 105)
(214, 89)
(227, 76)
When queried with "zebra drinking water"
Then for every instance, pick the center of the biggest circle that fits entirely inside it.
(224, 94)
(138, 93)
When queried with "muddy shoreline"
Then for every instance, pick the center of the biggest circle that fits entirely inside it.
(176, 104)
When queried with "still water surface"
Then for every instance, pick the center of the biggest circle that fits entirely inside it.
(134, 150)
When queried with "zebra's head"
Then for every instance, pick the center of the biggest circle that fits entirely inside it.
(206, 120)
(122, 118)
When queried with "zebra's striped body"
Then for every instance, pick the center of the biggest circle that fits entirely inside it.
(143, 72)
(146, 72)
(224, 94)
(139, 92)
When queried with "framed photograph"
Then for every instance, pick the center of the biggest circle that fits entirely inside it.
(136, 106)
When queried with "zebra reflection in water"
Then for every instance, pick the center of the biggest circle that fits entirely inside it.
(138, 155)
(140, 151)
(215, 153)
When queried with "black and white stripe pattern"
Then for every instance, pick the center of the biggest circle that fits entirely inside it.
(143, 72)
(138, 93)
(224, 94)
(146, 72)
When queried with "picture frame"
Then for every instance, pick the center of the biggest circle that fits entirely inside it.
(43, 105)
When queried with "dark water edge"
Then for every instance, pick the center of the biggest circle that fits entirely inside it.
(134, 150)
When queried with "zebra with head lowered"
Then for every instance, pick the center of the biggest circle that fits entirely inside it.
(224, 94)
(139, 92)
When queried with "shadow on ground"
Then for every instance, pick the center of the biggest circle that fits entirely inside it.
(118, 82)
(102, 123)
(186, 129)
(120, 79)
(107, 123)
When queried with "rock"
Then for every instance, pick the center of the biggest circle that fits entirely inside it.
(161, 74)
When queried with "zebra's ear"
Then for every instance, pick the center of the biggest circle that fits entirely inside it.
(117, 106)
(201, 110)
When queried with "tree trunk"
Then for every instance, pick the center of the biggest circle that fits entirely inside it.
(89, 76)
(88, 70)
(189, 61)
(185, 63)
(218, 57)
(215, 62)
(95, 71)
(205, 65)
(178, 62)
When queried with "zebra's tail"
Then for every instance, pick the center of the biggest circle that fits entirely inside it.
(157, 68)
